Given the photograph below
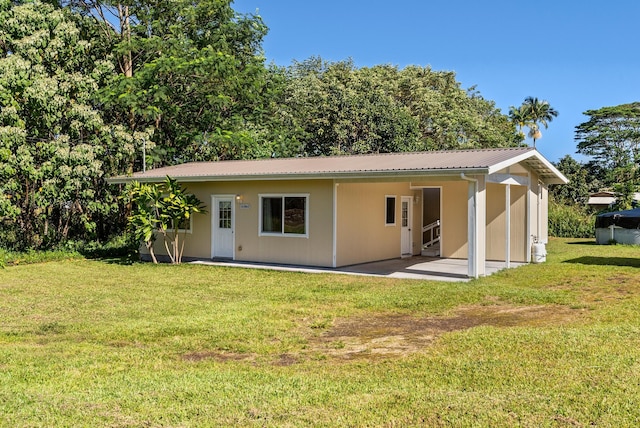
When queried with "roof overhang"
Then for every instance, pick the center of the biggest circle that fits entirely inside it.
(390, 167)
(534, 160)
(394, 175)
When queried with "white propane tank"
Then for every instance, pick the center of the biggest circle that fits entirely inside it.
(539, 253)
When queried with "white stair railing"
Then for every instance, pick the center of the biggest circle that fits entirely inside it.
(433, 231)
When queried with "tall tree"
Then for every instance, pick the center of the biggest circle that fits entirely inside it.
(194, 72)
(611, 137)
(55, 147)
(576, 192)
(341, 109)
(518, 116)
(113, 19)
(533, 113)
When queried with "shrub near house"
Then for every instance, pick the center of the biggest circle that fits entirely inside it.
(161, 209)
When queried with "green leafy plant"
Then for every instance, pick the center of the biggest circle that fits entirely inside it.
(570, 221)
(56, 144)
(161, 209)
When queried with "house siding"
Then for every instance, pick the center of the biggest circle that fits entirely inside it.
(544, 213)
(314, 250)
(519, 239)
(454, 228)
(538, 199)
(362, 234)
(496, 222)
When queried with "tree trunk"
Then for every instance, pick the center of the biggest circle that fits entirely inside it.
(169, 250)
(182, 246)
(126, 62)
(176, 250)
(149, 245)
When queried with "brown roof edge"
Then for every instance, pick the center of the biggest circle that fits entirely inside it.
(402, 164)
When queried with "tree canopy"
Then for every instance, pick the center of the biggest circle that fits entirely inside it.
(55, 147)
(341, 109)
(196, 76)
(576, 192)
(532, 113)
(611, 137)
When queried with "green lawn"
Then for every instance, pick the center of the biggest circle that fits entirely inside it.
(92, 343)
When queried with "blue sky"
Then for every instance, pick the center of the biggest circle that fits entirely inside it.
(578, 55)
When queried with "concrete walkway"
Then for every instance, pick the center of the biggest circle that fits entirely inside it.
(417, 267)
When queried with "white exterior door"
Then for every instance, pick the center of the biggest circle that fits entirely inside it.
(405, 223)
(222, 227)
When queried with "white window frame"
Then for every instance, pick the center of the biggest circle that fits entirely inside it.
(261, 196)
(395, 207)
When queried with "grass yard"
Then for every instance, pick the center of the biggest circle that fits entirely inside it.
(98, 343)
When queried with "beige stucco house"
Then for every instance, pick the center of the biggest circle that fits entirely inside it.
(478, 205)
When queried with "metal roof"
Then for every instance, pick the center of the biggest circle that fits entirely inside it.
(431, 163)
(607, 198)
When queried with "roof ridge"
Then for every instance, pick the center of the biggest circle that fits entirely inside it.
(484, 149)
(297, 158)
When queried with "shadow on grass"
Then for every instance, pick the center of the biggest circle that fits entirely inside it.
(582, 243)
(122, 261)
(606, 261)
(123, 257)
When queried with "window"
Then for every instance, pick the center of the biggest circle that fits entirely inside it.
(390, 217)
(284, 215)
(405, 214)
(224, 214)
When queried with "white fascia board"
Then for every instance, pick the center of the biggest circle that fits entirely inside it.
(560, 178)
(511, 161)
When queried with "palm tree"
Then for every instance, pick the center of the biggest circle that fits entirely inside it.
(537, 113)
(518, 117)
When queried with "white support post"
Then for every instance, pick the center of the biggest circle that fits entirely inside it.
(472, 234)
(528, 241)
(476, 225)
(481, 225)
(539, 212)
(334, 262)
(507, 244)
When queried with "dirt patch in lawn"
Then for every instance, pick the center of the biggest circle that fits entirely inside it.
(595, 289)
(368, 337)
(285, 360)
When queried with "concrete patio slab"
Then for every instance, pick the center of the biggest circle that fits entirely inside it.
(417, 267)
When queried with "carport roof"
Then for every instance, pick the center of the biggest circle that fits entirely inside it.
(415, 164)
